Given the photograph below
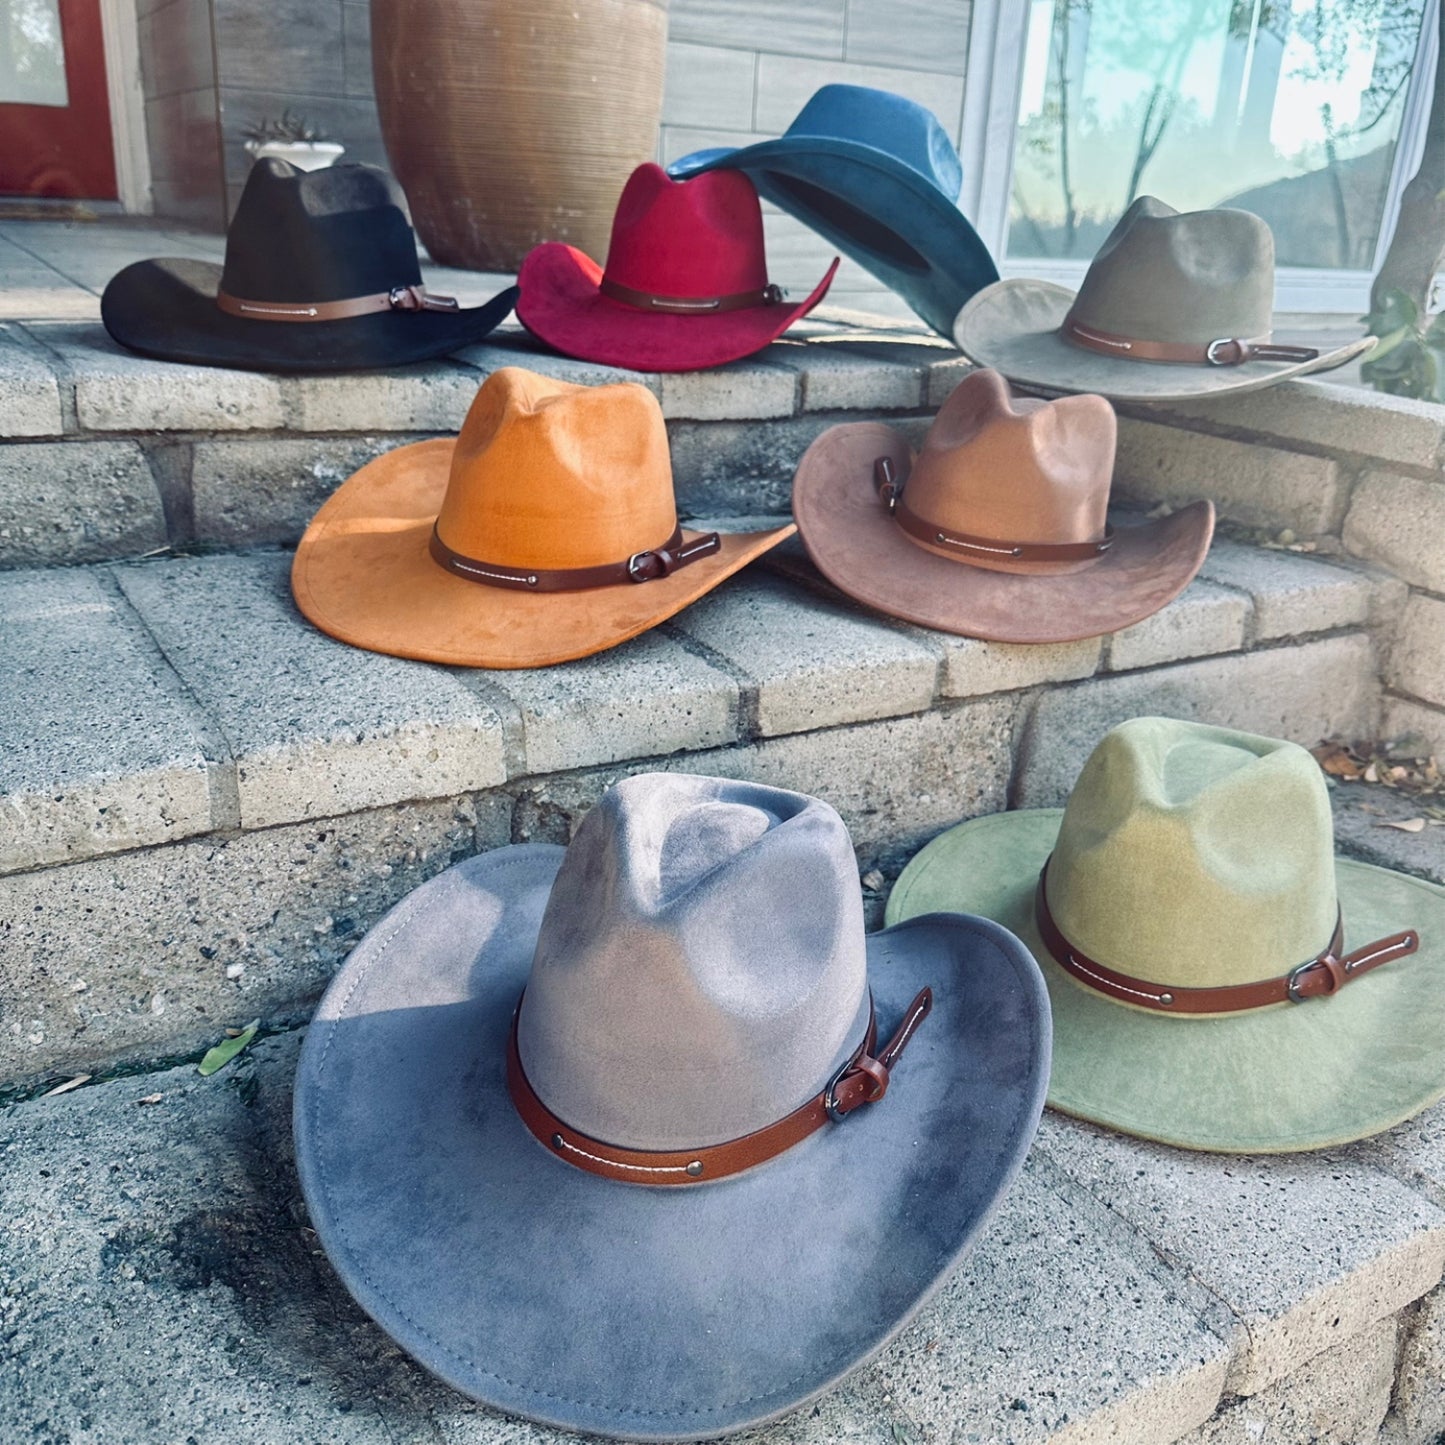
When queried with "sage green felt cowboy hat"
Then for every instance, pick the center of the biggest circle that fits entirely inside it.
(1184, 908)
(1174, 306)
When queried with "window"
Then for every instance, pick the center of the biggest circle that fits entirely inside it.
(1309, 113)
(32, 56)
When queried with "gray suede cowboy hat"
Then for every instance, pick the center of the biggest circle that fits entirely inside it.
(1173, 306)
(703, 1014)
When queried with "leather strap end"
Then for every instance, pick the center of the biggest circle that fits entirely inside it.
(1223, 351)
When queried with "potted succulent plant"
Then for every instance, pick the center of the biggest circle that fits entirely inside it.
(292, 138)
(509, 124)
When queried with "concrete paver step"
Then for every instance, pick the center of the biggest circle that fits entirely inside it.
(159, 1281)
(179, 732)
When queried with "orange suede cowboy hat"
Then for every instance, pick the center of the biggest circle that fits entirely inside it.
(547, 530)
(997, 528)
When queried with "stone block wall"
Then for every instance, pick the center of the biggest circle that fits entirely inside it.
(1339, 470)
(183, 127)
(737, 71)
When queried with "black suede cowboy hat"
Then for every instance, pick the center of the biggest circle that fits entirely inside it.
(321, 274)
(646, 1137)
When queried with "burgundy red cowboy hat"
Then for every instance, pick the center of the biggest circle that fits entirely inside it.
(685, 286)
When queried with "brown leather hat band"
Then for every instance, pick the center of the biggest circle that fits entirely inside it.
(646, 566)
(862, 1080)
(399, 298)
(690, 305)
(1324, 974)
(1226, 351)
(890, 491)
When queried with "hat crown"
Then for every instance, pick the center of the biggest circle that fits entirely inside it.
(1187, 278)
(551, 475)
(1015, 469)
(1195, 856)
(909, 132)
(697, 238)
(325, 235)
(701, 969)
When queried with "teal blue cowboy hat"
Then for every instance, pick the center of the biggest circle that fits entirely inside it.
(877, 176)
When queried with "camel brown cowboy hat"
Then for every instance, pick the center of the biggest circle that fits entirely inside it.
(997, 528)
(1174, 306)
(547, 530)
(1219, 979)
(647, 1138)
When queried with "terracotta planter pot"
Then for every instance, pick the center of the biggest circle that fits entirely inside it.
(510, 122)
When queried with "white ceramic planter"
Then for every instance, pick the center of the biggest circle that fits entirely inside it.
(305, 155)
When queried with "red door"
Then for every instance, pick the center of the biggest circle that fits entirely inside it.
(54, 106)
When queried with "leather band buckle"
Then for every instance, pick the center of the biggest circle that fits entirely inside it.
(418, 298)
(863, 1079)
(1331, 965)
(1213, 356)
(885, 478)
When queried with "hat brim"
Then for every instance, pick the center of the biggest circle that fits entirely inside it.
(1269, 1081)
(1013, 326)
(167, 308)
(855, 543)
(364, 573)
(643, 1313)
(878, 211)
(562, 305)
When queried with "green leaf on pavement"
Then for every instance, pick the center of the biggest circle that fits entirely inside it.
(227, 1049)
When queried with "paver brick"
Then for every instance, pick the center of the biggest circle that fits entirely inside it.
(848, 372)
(1339, 1398)
(100, 752)
(1399, 521)
(811, 663)
(1247, 481)
(316, 728)
(29, 393)
(1293, 595)
(750, 390)
(1325, 415)
(1417, 660)
(117, 391)
(1400, 716)
(1203, 619)
(646, 698)
(152, 952)
(63, 502)
(1304, 692)
(1332, 1270)
(1418, 1413)
(426, 396)
(250, 492)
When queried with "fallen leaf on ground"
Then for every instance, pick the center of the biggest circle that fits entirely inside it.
(1406, 825)
(151, 1099)
(227, 1049)
(1336, 761)
(67, 1086)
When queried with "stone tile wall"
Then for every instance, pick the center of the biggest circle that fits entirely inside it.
(183, 124)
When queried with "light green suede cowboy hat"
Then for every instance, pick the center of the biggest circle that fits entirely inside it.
(1186, 908)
